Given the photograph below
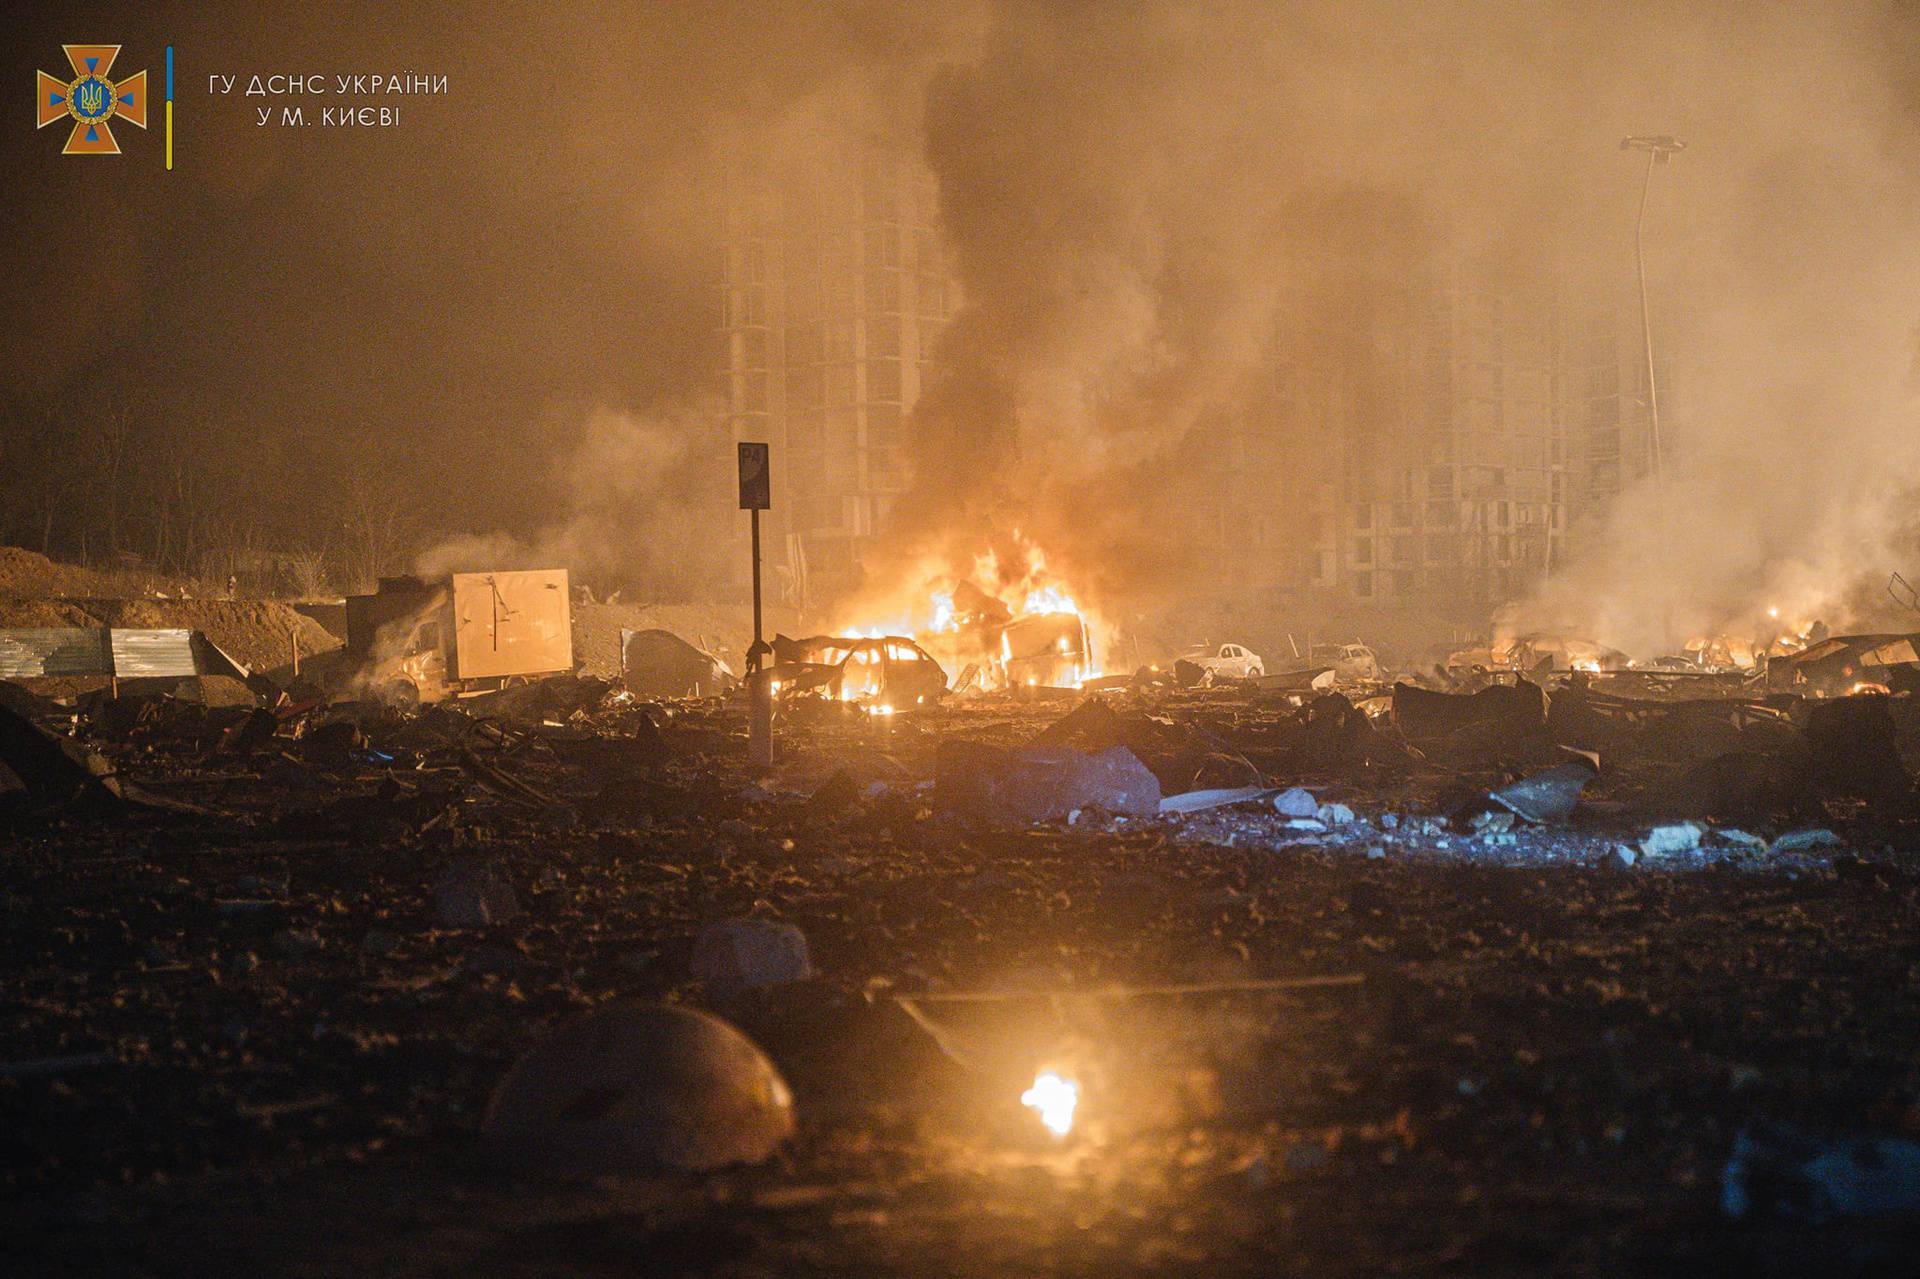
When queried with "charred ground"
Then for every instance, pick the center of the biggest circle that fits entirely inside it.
(260, 1039)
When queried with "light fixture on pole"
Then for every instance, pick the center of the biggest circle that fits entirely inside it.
(1658, 148)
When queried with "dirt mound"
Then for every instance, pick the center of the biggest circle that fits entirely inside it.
(256, 633)
(27, 574)
(24, 572)
(44, 613)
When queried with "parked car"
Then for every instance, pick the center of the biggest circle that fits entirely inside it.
(1229, 661)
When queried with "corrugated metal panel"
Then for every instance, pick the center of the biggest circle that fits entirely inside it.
(153, 654)
(98, 651)
(32, 653)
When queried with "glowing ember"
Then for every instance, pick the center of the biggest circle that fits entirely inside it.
(1054, 1097)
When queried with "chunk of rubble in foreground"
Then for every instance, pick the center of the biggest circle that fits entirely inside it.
(1033, 784)
(1296, 802)
(1799, 841)
(1545, 797)
(637, 1087)
(1680, 837)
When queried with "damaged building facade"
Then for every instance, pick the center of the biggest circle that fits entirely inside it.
(836, 290)
(1438, 455)
(1430, 434)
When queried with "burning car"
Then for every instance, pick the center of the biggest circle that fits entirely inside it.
(1054, 650)
(886, 672)
(1543, 653)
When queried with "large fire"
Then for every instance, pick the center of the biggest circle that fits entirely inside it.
(1008, 622)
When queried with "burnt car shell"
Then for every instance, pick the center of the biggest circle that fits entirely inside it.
(891, 669)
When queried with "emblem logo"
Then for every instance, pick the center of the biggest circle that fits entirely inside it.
(91, 100)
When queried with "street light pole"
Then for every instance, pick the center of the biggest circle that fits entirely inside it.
(1658, 148)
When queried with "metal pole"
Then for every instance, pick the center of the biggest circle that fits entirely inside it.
(759, 681)
(756, 579)
(1646, 321)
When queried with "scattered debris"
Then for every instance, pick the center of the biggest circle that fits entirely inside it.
(473, 896)
(1795, 1175)
(747, 954)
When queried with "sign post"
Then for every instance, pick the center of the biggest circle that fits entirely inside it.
(756, 495)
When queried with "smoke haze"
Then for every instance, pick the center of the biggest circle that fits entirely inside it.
(511, 308)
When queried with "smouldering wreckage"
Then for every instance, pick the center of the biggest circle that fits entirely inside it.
(1036, 928)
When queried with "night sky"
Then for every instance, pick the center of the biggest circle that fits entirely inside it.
(450, 296)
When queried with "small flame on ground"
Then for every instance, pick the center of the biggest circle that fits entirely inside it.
(1055, 1098)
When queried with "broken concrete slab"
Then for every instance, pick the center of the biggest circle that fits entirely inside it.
(1547, 796)
(1296, 801)
(1679, 837)
(1807, 837)
(1856, 750)
(1030, 784)
(45, 768)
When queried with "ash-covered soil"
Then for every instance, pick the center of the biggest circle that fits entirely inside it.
(251, 1042)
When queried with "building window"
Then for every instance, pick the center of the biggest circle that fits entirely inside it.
(883, 246)
(1363, 585)
(1363, 517)
(839, 385)
(883, 290)
(883, 380)
(883, 335)
(883, 426)
(1363, 550)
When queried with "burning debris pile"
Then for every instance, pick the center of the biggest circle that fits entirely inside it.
(1006, 625)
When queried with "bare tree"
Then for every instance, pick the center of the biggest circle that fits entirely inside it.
(379, 529)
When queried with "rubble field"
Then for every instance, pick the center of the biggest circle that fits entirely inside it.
(1534, 980)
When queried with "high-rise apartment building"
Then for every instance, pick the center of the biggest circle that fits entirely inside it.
(836, 294)
(1434, 445)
